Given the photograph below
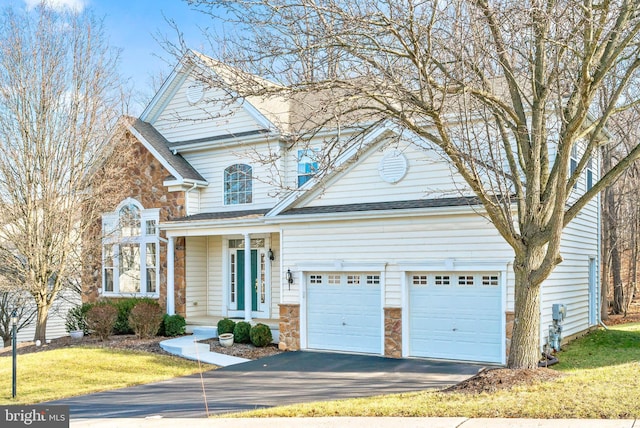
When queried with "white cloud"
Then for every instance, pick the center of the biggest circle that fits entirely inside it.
(74, 5)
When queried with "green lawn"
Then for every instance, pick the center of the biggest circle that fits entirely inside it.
(60, 373)
(602, 381)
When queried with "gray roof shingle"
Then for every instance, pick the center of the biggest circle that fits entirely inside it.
(161, 145)
(384, 206)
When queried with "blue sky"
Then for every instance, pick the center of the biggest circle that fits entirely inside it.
(131, 26)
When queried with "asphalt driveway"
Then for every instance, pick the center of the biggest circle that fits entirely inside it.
(287, 378)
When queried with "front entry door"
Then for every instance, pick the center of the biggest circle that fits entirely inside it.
(241, 279)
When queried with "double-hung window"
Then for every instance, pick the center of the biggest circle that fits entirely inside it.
(130, 250)
(573, 163)
(590, 173)
(307, 165)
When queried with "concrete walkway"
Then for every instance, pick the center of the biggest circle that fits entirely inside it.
(348, 422)
(188, 347)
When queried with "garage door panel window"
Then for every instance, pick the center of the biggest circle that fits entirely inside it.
(465, 280)
(420, 280)
(442, 280)
(373, 279)
(315, 279)
(490, 280)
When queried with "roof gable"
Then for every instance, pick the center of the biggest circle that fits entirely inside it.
(193, 104)
(386, 166)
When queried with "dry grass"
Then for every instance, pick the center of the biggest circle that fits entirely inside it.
(600, 381)
(66, 372)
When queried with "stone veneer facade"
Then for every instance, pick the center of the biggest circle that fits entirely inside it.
(139, 175)
(289, 327)
(393, 332)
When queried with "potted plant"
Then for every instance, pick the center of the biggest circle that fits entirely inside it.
(76, 322)
(226, 339)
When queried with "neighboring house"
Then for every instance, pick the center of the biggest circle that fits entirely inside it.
(383, 256)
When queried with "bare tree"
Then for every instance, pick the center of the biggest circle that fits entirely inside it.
(503, 89)
(58, 97)
(620, 218)
(13, 298)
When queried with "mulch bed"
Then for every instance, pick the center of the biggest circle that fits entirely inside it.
(131, 342)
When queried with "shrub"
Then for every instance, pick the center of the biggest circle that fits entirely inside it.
(172, 325)
(77, 318)
(145, 319)
(226, 326)
(124, 307)
(260, 335)
(241, 332)
(101, 319)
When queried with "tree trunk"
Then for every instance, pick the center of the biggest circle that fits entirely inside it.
(6, 339)
(41, 323)
(618, 289)
(525, 339)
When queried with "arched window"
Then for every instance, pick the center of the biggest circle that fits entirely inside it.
(237, 185)
(130, 256)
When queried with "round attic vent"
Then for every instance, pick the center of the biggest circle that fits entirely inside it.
(393, 166)
(195, 91)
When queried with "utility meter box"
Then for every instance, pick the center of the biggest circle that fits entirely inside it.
(559, 312)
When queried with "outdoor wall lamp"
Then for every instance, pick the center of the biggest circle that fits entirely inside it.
(270, 254)
(289, 278)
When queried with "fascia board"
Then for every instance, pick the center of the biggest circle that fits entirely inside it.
(166, 92)
(381, 214)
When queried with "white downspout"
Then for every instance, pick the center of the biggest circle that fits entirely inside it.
(186, 198)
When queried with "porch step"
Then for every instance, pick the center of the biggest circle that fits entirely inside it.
(185, 345)
(205, 332)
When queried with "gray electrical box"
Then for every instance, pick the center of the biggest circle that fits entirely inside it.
(559, 312)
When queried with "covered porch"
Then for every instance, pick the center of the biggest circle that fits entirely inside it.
(223, 271)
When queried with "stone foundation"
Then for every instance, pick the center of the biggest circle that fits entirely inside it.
(393, 332)
(289, 327)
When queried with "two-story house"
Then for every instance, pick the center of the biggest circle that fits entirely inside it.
(383, 255)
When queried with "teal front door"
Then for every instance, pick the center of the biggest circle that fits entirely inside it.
(254, 280)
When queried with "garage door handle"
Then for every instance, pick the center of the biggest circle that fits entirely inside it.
(344, 323)
(455, 329)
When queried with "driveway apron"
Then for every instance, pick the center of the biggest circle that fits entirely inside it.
(287, 378)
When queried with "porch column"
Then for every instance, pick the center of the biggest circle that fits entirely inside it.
(247, 277)
(171, 298)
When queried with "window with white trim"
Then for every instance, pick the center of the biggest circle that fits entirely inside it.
(238, 186)
(130, 250)
(307, 165)
(590, 173)
(573, 163)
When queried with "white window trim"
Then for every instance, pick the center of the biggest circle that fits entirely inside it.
(111, 220)
(224, 185)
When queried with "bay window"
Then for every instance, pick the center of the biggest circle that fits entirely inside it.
(130, 255)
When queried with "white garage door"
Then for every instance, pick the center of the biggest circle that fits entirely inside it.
(344, 312)
(456, 316)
